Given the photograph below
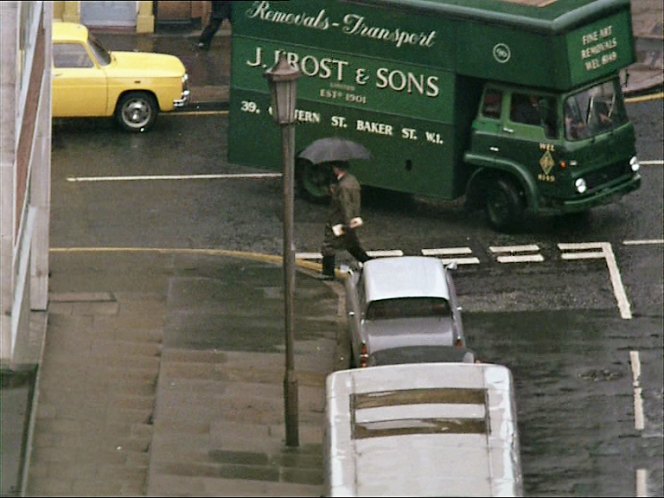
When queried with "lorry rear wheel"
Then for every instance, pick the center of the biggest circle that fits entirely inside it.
(504, 206)
(314, 181)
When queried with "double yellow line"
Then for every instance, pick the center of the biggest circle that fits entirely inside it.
(254, 256)
(645, 98)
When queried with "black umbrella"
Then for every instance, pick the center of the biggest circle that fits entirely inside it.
(331, 149)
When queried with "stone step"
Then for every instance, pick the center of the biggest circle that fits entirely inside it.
(174, 485)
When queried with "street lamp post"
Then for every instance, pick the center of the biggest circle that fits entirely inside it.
(282, 79)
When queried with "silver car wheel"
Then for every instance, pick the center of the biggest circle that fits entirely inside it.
(137, 111)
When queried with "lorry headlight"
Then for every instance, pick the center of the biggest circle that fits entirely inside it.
(580, 185)
(634, 164)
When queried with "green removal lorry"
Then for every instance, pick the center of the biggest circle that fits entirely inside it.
(514, 104)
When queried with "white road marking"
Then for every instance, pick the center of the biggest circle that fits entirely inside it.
(520, 258)
(641, 482)
(453, 251)
(584, 255)
(523, 248)
(606, 252)
(446, 251)
(461, 261)
(652, 163)
(379, 254)
(529, 258)
(642, 242)
(636, 383)
(171, 177)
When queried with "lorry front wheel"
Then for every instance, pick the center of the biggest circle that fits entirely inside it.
(504, 206)
(314, 181)
(136, 111)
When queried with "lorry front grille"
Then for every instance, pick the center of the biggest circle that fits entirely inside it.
(600, 177)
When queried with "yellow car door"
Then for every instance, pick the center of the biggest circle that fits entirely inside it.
(79, 85)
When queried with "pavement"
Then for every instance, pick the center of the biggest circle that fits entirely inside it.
(162, 375)
(160, 372)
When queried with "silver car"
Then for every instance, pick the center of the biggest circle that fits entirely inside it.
(401, 301)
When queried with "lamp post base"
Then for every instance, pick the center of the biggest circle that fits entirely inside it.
(291, 409)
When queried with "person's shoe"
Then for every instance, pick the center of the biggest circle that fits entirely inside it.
(325, 276)
(202, 46)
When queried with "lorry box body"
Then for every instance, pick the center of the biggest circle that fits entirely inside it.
(412, 80)
(422, 429)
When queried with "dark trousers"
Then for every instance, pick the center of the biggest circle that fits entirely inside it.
(348, 241)
(209, 31)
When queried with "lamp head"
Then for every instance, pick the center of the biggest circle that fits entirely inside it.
(282, 78)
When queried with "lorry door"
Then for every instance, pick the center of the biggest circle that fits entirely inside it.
(487, 126)
(528, 136)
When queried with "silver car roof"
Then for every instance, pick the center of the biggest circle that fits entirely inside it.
(404, 276)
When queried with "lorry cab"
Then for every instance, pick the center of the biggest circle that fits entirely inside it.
(551, 152)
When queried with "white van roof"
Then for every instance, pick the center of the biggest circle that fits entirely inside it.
(442, 429)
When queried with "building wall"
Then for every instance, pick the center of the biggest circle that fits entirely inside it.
(148, 13)
(25, 167)
(169, 11)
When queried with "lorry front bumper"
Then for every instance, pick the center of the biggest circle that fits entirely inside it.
(599, 197)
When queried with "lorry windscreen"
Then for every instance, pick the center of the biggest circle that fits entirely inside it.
(594, 111)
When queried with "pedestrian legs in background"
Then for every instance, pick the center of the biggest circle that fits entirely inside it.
(220, 10)
(206, 36)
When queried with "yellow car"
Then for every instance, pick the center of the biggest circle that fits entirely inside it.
(90, 81)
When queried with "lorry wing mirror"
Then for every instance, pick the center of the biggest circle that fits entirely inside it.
(624, 74)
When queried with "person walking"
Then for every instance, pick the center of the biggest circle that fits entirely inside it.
(220, 10)
(343, 220)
